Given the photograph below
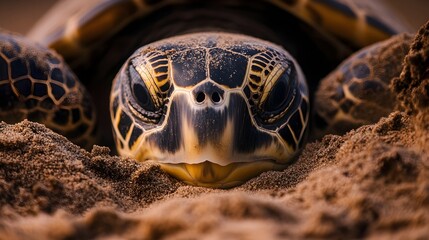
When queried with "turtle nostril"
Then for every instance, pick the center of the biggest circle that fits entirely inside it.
(216, 97)
(200, 97)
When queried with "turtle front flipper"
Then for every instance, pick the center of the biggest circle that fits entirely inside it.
(37, 85)
(357, 92)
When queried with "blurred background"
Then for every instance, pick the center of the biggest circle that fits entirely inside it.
(20, 15)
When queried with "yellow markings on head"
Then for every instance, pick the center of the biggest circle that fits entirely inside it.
(225, 145)
(146, 72)
(154, 70)
(141, 150)
(271, 80)
(192, 151)
(277, 151)
(264, 70)
(190, 142)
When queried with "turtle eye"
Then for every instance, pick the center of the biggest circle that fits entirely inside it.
(140, 91)
(142, 96)
(278, 95)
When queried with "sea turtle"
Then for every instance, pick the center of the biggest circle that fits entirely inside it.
(214, 91)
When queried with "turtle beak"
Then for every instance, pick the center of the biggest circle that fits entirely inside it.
(209, 174)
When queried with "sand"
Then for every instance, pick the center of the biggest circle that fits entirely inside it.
(372, 183)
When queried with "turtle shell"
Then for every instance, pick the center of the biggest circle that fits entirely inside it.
(76, 29)
(96, 37)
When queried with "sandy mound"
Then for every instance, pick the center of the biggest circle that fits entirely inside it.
(372, 182)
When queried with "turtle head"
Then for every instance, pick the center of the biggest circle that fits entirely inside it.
(212, 109)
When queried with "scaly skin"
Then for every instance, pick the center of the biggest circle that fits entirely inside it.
(37, 85)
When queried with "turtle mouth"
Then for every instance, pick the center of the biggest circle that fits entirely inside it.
(209, 174)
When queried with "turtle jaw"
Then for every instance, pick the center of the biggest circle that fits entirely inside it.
(209, 174)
